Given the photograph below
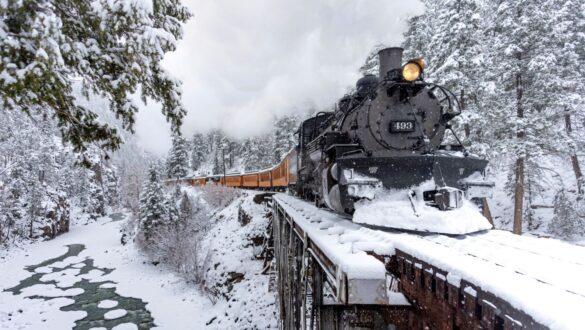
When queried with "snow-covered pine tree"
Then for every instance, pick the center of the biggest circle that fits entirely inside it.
(458, 52)
(115, 47)
(177, 192)
(567, 78)
(225, 151)
(185, 208)
(284, 137)
(252, 154)
(567, 221)
(95, 206)
(199, 150)
(35, 196)
(172, 213)
(217, 164)
(370, 66)
(42, 172)
(12, 201)
(516, 58)
(178, 159)
(153, 211)
(420, 34)
(111, 186)
(94, 193)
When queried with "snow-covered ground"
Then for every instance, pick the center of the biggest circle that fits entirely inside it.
(88, 279)
(169, 301)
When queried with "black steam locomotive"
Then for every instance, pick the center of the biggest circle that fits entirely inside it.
(388, 134)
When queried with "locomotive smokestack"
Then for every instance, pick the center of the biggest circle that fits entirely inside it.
(389, 59)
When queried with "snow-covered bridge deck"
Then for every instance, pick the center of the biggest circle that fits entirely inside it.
(492, 279)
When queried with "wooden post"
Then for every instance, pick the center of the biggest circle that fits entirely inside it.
(317, 292)
(486, 211)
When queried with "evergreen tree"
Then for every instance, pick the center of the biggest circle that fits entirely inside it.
(519, 62)
(458, 60)
(178, 160)
(105, 43)
(567, 78)
(199, 149)
(252, 154)
(111, 186)
(177, 192)
(172, 213)
(185, 208)
(217, 165)
(284, 137)
(225, 151)
(421, 33)
(370, 66)
(153, 212)
(95, 189)
(95, 206)
(567, 222)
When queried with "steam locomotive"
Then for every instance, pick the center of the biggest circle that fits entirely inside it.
(388, 134)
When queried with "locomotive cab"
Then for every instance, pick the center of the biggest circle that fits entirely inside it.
(310, 152)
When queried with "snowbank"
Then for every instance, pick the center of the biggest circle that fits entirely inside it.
(393, 209)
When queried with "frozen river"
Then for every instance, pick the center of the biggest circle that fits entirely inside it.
(86, 279)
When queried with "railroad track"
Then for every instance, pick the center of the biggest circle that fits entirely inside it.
(490, 280)
(559, 273)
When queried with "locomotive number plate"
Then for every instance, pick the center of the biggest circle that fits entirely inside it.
(400, 126)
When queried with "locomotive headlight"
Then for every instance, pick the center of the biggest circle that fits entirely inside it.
(411, 71)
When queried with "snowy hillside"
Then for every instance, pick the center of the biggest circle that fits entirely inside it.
(235, 274)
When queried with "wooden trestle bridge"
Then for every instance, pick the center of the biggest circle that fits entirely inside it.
(334, 274)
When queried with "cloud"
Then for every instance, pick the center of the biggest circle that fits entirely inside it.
(244, 62)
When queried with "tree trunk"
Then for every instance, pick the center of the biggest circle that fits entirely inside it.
(231, 155)
(32, 217)
(98, 175)
(519, 196)
(466, 127)
(574, 159)
(519, 185)
(578, 173)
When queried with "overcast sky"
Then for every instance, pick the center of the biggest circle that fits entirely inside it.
(244, 62)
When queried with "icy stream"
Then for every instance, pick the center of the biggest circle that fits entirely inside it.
(70, 276)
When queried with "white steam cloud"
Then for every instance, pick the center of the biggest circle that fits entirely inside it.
(244, 62)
